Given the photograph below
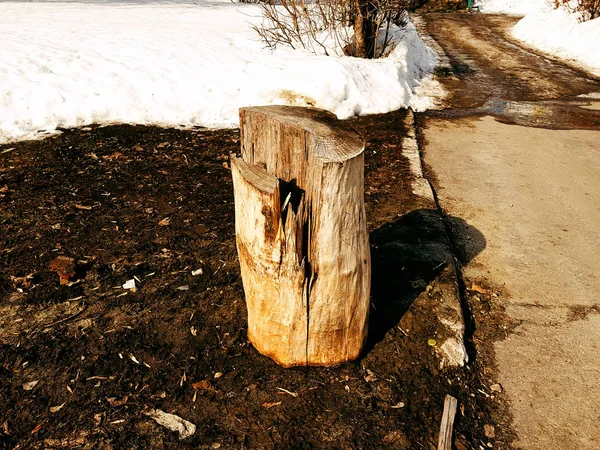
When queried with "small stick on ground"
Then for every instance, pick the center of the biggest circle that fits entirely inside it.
(447, 425)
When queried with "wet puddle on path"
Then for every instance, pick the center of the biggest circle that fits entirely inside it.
(563, 114)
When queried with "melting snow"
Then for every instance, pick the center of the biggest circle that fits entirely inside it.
(69, 64)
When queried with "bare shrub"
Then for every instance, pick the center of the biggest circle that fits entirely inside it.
(587, 9)
(359, 27)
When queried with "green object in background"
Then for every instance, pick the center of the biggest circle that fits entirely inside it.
(469, 2)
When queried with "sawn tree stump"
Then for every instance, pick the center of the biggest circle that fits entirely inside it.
(301, 235)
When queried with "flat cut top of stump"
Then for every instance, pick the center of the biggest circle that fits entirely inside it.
(331, 139)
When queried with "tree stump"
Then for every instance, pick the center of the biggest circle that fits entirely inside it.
(301, 235)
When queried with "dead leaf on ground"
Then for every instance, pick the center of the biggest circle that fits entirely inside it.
(37, 428)
(84, 207)
(57, 408)
(64, 267)
(30, 385)
(204, 384)
(268, 405)
(166, 221)
(477, 288)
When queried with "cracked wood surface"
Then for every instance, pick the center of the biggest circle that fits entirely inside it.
(301, 235)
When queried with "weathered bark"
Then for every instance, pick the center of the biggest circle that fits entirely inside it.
(301, 235)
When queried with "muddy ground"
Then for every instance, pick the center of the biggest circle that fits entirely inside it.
(490, 73)
(153, 205)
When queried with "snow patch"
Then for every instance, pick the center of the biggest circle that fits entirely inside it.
(553, 31)
(557, 32)
(513, 7)
(70, 64)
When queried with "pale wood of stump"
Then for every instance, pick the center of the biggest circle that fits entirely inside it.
(306, 269)
(447, 424)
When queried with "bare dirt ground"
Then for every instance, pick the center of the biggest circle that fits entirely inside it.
(515, 154)
(81, 362)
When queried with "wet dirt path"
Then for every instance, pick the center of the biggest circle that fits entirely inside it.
(488, 65)
(515, 153)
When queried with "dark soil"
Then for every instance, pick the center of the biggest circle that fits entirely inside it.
(153, 205)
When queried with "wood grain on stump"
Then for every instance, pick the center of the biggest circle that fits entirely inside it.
(301, 234)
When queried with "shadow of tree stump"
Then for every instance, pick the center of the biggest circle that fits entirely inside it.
(407, 256)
